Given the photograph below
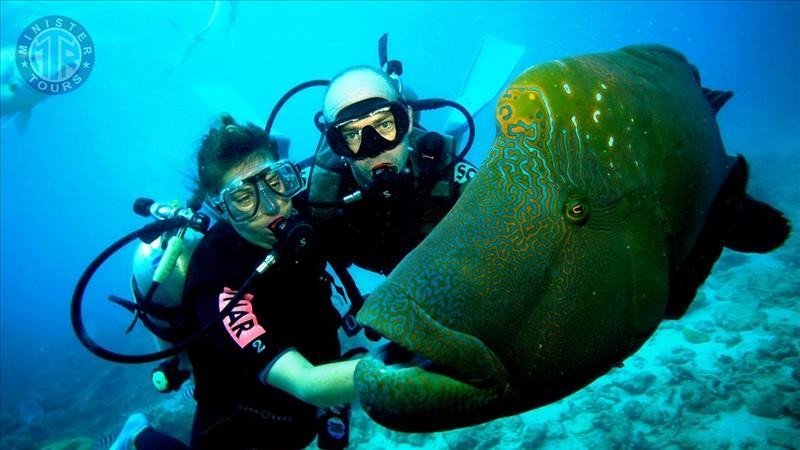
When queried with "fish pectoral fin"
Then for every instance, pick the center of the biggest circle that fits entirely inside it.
(759, 228)
(736, 221)
(753, 226)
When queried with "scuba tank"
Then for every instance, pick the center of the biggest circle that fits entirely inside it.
(172, 373)
(145, 261)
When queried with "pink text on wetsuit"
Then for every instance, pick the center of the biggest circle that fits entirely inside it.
(241, 323)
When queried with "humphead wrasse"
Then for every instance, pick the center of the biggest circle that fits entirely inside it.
(605, 200)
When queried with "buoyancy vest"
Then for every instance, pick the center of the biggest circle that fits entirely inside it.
(431, 161)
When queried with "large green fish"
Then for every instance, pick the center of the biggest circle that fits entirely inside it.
(602, 206)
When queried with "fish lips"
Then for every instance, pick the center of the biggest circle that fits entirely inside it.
(419, 340)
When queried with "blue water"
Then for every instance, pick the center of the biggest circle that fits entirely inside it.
(69, 179)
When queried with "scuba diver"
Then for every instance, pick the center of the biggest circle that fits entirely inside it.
(382, 182)
(397, 181)
(264, 371)
(379, 182)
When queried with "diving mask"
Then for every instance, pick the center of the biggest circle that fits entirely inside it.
(263, 188)
(368, 128)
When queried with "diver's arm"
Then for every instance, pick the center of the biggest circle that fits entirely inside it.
(323, 385)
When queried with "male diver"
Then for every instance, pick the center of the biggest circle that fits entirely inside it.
(397, 179)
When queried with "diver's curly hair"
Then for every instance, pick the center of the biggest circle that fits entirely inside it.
(224, 147)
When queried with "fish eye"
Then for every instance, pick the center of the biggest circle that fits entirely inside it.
(576, 211)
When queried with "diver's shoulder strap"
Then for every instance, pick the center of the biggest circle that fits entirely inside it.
(325, 158)
(434, 162)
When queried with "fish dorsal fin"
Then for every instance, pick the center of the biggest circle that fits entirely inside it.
(717, 99)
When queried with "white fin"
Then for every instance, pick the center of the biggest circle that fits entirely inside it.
(491, 68)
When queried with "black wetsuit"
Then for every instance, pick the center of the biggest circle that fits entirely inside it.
(377, 232)
(290, 308)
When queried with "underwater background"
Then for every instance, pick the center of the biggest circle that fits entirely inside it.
(727, 375)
